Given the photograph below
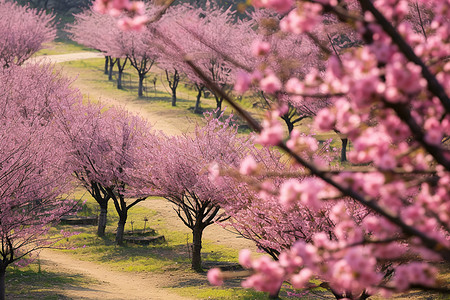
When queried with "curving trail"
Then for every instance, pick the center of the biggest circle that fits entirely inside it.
(107, 284)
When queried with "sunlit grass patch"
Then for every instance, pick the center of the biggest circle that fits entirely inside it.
(219, 293)
(55, 48)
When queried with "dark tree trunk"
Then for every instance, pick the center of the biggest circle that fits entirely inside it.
(197, 102)
(120, 67)
(102, 219)
(173, 84)
(119, 79)
(112, 62)
(289, 124)
(174, 97)
(106, 64)
(120, 230)
(141, 85)
(2, 283)
(197, 233)
(275, 295)
(344, 149)
(218, 105)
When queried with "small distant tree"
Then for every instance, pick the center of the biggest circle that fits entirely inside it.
(23, 31)
(100, 39)
(141, 54)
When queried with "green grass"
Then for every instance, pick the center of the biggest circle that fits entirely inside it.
(33, 283)
(170, 257)
(217, 293)
(95, 86)
(56, 47)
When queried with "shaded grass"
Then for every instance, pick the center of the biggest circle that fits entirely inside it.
(33, 283)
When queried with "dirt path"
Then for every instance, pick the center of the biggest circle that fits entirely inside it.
(67, 57)
(108, 284)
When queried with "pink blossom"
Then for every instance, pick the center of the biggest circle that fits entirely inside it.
(270, 84)
(248, 166)
(137, 23)
(290, 192)
(215, 276)
(268, 276)
(303, 20)
(434, 132)
(325, 120)
(294, 86)
(245, 258)
(300, 141)
(214, 172)
(260, 48)
(301, 279)
(414, 273)
(271, 134)
(137, 7)
(280, 6)
(243, 81)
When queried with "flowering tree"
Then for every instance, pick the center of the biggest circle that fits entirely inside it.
(84, 144)
(390, 96)
(100, 39)
(182, 177)
(105, 156)
(23, 31)
(206, 35)
(33, 170)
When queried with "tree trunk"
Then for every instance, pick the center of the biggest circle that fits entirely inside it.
(102, 219)
(2, 283)
(197, 102)
(197, 233)
(112, 62)
(174, 97)
(288, 121)
(141, 85)
(106, 65)
(119, 79)
(120, 67)
(120, 230)
(218, 105)
(344, 149)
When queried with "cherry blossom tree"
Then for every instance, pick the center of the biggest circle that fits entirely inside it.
(23, 31)
(85, 147)
(182, 177)
(141, 51)
(205, 34)
(81, 32)
(33, 169)
(107, 147)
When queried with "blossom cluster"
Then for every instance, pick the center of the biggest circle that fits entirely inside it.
(135, 18)
(397, 117)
